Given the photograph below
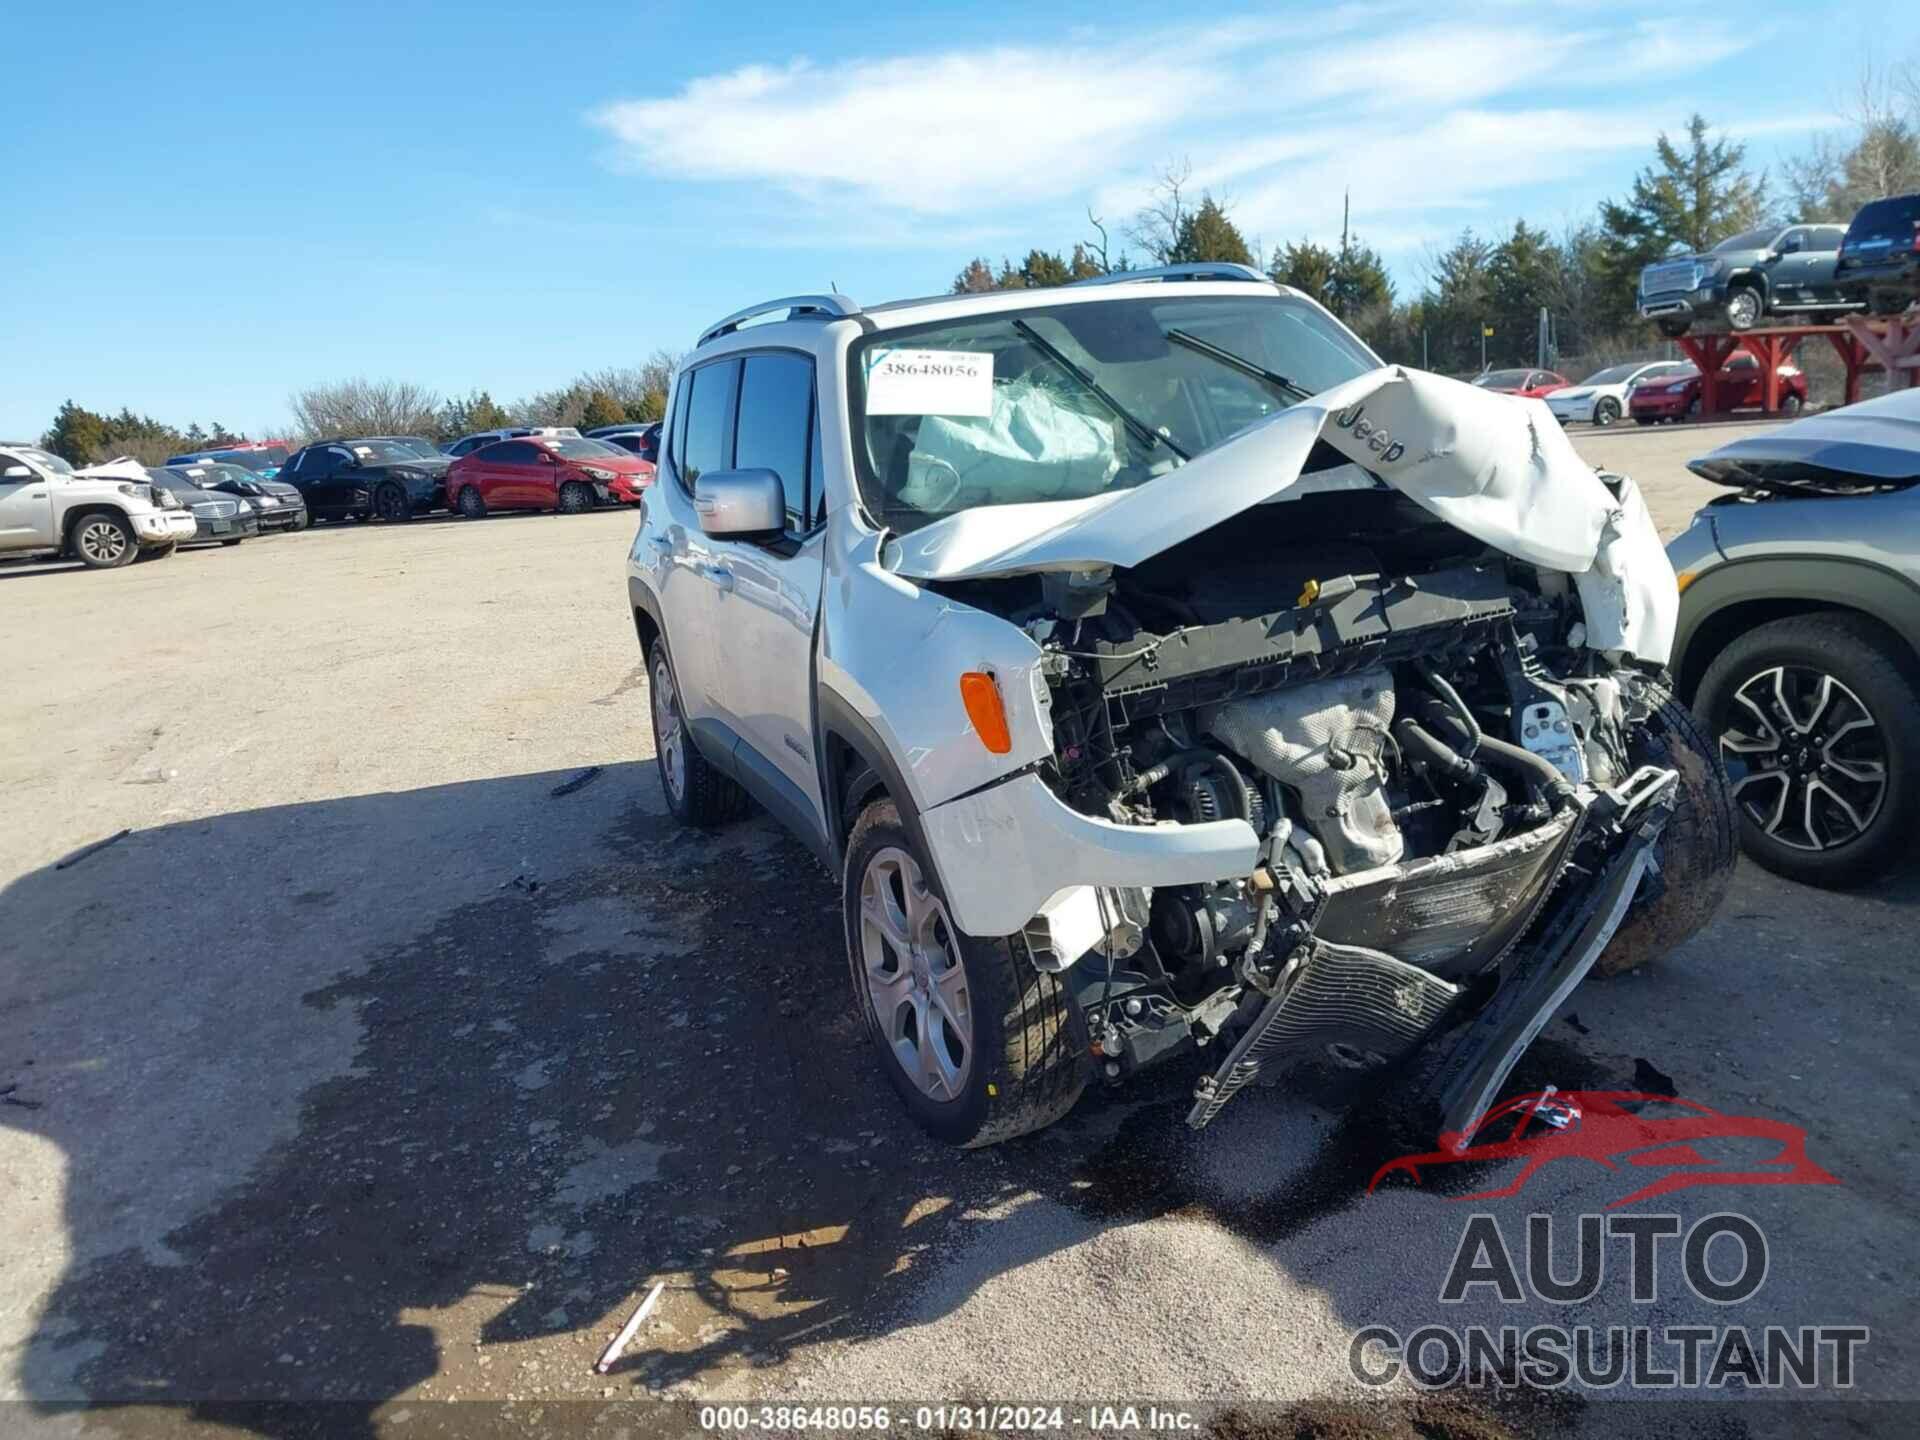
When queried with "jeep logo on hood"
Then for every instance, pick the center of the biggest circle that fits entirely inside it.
(1354, 418)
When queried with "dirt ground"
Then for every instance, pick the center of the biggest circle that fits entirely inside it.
(383, 1065)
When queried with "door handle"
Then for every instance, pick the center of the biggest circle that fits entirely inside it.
(719, 575)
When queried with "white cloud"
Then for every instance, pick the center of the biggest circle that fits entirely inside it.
(1427, 120)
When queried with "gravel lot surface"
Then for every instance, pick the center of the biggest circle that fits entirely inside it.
(369, 1069)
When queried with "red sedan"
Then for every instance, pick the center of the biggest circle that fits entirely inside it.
(545, 472)
(1528, 384)
(1740, 384)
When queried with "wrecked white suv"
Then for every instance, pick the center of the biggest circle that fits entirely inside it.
(1159, 670)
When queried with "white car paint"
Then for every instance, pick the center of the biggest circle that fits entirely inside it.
(1582, 401)
(34, 507)
(1489, 464)
(891, 651)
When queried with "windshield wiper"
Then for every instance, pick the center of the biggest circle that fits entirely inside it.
(1241, 363)
(1145, 433)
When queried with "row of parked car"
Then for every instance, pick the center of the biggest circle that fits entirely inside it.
(1648, 391)
(112, 514)
(1792, 272)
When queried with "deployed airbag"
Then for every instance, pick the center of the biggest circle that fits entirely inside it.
(1032, 445)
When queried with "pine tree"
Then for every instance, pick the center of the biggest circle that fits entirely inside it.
(1207, 234)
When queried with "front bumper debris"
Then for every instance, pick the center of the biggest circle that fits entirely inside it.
(1340, 994)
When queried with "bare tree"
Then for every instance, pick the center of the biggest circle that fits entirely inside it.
(1158, 224)
(365, 407)
(1880, 155)
(1099, 248)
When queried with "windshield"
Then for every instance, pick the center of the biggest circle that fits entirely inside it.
(417, 445)
(1062, 402)
(268, 459)
(1612, 375)
(580, 449)
(45, 460)
(384, 452)
(1751, 240)
(1504, 379)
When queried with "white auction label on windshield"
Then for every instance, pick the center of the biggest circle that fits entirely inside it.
(929, 382)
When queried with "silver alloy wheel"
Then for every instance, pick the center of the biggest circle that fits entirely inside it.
(101, 541)
(669, 732)
(1743, 308)
(915, 980)
(1807, 759)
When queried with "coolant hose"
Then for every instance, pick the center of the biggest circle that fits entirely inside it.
(1443, 687)
(1420, 743)
(1537, 768)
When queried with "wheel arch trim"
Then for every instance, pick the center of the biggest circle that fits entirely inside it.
(1778, 586)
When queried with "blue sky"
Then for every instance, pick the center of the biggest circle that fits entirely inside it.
(213, 205)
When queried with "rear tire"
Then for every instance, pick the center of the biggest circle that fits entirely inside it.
(392, 504)
(472, 503)
(103, 541)
(1696, 851)
(576, 498)
(1771, 758)
(697, 793)
(1023, 1059)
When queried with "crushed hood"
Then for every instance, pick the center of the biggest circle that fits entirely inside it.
(1497, 467)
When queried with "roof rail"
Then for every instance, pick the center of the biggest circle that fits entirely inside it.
(1197, 270)
(797, 307)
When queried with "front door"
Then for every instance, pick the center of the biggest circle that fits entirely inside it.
(768, 614)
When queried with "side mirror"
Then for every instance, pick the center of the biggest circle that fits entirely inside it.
(16, 472)
(740, 503)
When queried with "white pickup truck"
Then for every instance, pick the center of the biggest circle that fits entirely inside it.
(102, 521)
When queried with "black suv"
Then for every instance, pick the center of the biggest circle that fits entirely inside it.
(391, 478)
(1880, 258)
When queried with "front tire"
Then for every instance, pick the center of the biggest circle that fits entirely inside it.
(1696, 852)
(1744, 308)
(229, 544)
(472, 503)
(698, 794)
(1606, 411)
(980, 1046)
(1673, 329)
(103, 541)
(1790, 405)
(576, 498)
(1819, 728)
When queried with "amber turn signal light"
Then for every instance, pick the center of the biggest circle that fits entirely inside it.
(982, 699)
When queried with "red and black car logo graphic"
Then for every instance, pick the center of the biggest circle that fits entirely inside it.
(1682, 1143)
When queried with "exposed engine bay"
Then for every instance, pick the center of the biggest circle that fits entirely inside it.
(1409, 722)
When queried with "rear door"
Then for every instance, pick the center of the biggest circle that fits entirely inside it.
(690, 568)
(1793, 273)
(507, 475)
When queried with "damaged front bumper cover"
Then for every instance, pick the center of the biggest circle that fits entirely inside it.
(1007, 852)
(1383, 1007)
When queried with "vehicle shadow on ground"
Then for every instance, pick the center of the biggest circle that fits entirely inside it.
(561, 1090)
